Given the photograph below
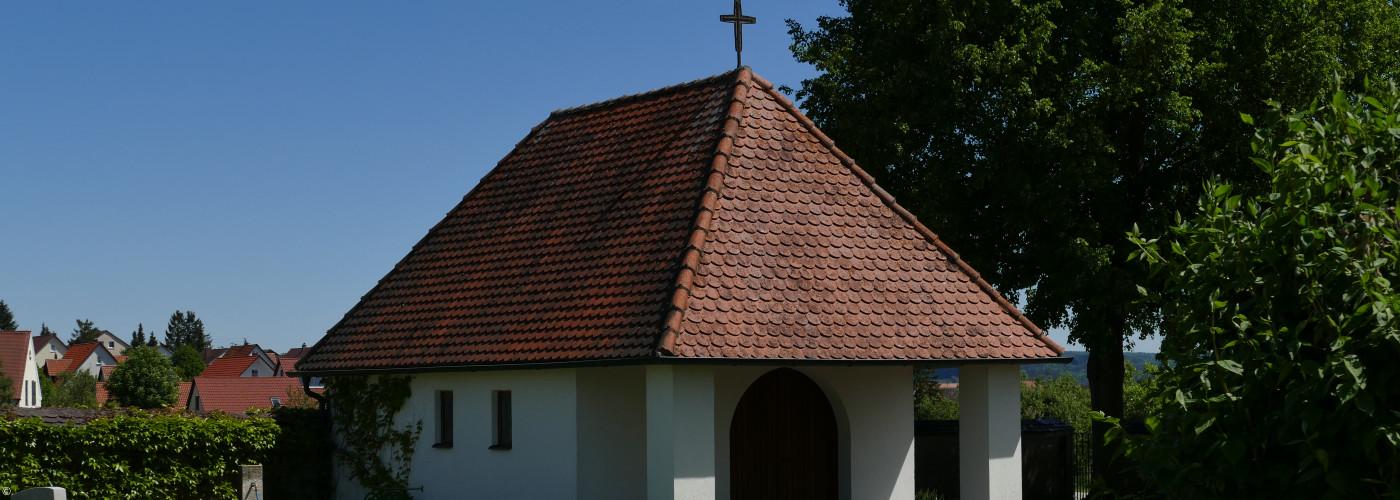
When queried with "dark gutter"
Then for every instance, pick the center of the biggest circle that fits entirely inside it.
(306, 387)
(669, 360)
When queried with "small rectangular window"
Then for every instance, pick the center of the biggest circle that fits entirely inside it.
(444, 419)
(255, 372)
(276, 402)
(500, 421)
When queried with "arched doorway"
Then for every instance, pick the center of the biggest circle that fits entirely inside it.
(782, 441)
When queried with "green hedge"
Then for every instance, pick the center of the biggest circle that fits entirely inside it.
(158, 455)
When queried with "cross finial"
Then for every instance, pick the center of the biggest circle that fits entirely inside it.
(739, 20)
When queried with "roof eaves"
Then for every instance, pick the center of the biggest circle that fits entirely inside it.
(704, 214)
(676, 360)
(909, 217)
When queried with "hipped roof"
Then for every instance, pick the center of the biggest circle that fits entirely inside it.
(705, 220)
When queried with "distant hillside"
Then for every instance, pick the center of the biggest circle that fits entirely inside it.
(1078, 368)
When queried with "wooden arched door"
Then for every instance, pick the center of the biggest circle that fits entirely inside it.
(782, 441)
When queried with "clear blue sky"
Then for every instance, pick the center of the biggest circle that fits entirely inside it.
(265, 163)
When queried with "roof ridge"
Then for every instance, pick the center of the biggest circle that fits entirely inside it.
(704, 213)
(908, 217)
(641, 95)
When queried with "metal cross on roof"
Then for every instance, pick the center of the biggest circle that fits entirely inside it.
(739, 20)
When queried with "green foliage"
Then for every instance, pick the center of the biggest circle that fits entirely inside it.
(169, 456)
(73, 390)
(188, 363)
(7, 318)
(84, 333)
(185, 329)
(44, 330)
(1281, 317)
(364, 412)
(1060, 397)
(7, 390)
(1140, 389)
(133, 456)
(145, 380)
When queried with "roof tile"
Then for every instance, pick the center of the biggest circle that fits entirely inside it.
(710, 219)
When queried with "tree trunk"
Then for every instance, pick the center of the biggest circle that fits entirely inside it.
(1105, 373)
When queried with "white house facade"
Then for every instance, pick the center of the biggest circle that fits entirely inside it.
(17, 363)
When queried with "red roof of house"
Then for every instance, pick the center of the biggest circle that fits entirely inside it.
(286, 365)
(706, 220)
(236, 395)
(229, 367)
(239, 351)
(56, 367)
(14, 355)
(295, 352)
(80, 352)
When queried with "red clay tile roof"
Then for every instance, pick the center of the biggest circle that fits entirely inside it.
(56, 367)
(229, 367)
(79, 352)
(286, 365)
(295, 352)
(236, 395)
(705, 220)
(14, 355)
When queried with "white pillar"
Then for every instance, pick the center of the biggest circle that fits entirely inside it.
(680, 433)
(989, 436)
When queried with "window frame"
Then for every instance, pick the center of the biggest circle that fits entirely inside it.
(502, 435)
(443, 403)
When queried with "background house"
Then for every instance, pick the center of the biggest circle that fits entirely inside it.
(46, 347)
(89, 357)
(112, 342)
(237, 395)
(17, 362)
(692, 282)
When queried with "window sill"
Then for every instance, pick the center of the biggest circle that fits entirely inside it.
(499, 447)
(442, 445)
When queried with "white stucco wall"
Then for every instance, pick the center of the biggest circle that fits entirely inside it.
(612, 441)
(29, 395)
(875, 421)
(989, 432)
(543, 459)
(680, 432)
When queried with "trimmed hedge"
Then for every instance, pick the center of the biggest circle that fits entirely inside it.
(157, 454)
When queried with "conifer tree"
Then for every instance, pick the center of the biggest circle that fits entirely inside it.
(185, 329)
(7, 318)
(84, 333)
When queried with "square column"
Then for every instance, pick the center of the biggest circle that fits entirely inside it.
(680, 433)
(989, 436)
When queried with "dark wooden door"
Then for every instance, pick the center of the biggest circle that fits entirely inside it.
(782, 441)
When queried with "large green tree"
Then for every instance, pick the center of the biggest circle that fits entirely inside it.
(1282, 311)
(7, 318)
(1031, 135)
(186, 329)
(188, 362)
(145, 380)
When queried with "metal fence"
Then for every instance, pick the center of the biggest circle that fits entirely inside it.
(1083, 460)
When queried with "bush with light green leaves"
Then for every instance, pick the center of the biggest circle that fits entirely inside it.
(1279, 311)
